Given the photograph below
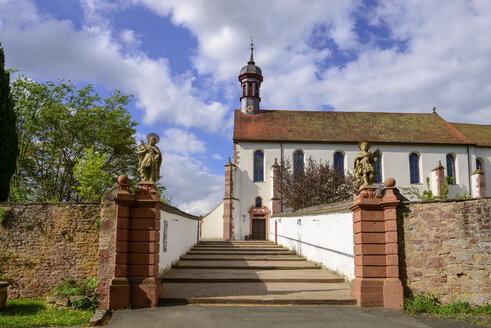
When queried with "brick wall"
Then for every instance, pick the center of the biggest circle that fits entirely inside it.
(445, 249)
(44, 243)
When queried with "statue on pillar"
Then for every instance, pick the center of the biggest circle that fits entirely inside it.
(149, 159)
(365, 165)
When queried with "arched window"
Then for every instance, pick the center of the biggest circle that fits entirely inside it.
(259, 202)
(249, 91)
(414, 167)
(243, 90)
(297, 163)
(339, 161)
(256, 92)
(479, 164)
(258, 165)
(450, 169)
(378, 166)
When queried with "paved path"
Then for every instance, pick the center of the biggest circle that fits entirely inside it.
(331, 316)
(251, 272)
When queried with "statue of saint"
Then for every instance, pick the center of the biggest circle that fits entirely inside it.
(149, 159)
(364, 166)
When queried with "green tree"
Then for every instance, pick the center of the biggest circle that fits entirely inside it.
(56, 123)
(9, 149)
(92, 180)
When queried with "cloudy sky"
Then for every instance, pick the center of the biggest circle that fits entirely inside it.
(180, 59)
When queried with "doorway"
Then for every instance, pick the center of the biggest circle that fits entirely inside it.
(259, 229)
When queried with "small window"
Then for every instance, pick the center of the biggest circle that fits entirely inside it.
(243, 90)
(258, 165)
(339, 161)
(414, 167)
(257, 90)
(259, 202)
(249, 93)
(378, 166)
(297, 163)
(451, 169)
(479, 164)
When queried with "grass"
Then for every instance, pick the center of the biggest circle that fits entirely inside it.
(457, 310)
(33, 313)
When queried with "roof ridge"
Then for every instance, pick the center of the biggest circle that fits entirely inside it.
(470, 124)
(338, 111)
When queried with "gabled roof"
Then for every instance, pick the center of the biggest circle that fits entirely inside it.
(345, 127)
(478, 134)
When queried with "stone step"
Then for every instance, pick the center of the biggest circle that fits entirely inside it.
(239, 253)
(246, 265)
(222, 275)
(241, 249)
(207, 257)
(257, 293)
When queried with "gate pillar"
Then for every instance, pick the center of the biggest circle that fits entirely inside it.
(376, 282)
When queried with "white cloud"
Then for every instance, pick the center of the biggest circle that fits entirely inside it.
(217, 157)
(446, 62)
(130, 38)
(48, 48)
(193, 188)
(181, 142)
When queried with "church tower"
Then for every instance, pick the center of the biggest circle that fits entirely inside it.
(250, 78)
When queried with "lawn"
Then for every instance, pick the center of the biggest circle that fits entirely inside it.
(33, 313)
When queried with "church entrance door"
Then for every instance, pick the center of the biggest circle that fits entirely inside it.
(259, 222)
(259, 229)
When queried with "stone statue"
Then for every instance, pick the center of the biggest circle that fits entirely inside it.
(149, 159)
(364, 166)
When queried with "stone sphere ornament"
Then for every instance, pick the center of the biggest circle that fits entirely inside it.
(149, 159)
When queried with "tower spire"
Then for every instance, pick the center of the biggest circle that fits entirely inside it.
(251, 61)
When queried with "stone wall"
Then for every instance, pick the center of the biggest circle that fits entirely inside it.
(445, 249)
(43, 243)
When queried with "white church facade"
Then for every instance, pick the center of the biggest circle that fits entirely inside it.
(409, 147)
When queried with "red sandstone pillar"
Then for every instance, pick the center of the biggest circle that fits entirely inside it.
(144, 244)
(276, 201)
(479, 184)
(119, 289)
(393, 293)
(440, 178)
(228, 228)
(376, 282)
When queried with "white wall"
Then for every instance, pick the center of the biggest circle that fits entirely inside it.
(182, 234)
(322, 238)
(212, 224)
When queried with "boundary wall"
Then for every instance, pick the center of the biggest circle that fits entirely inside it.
(322, 234)
(181, 233)
(42, 244)
(445, 249)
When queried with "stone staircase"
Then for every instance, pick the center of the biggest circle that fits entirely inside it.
(250, 272)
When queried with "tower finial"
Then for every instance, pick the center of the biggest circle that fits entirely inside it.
(251, 61)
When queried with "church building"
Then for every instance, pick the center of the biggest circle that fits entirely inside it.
(410, 148)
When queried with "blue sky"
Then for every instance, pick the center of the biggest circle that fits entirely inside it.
(180, 59)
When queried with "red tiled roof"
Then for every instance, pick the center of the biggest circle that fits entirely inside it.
(478, 134)
(349, 127)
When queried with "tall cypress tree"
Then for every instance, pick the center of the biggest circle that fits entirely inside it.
(9, 147)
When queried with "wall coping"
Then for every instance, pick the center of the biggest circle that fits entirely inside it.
(174, 210)
(50, 203)
(340, 207)
(445, 201)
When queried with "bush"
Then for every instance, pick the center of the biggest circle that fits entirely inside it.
(85, 289)
(314, 184)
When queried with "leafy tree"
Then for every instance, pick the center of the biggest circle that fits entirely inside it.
(9, 149)
(56, 123)
(92, 180)
(316, 184)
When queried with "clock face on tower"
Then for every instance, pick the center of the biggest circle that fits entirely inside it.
(250, 108)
